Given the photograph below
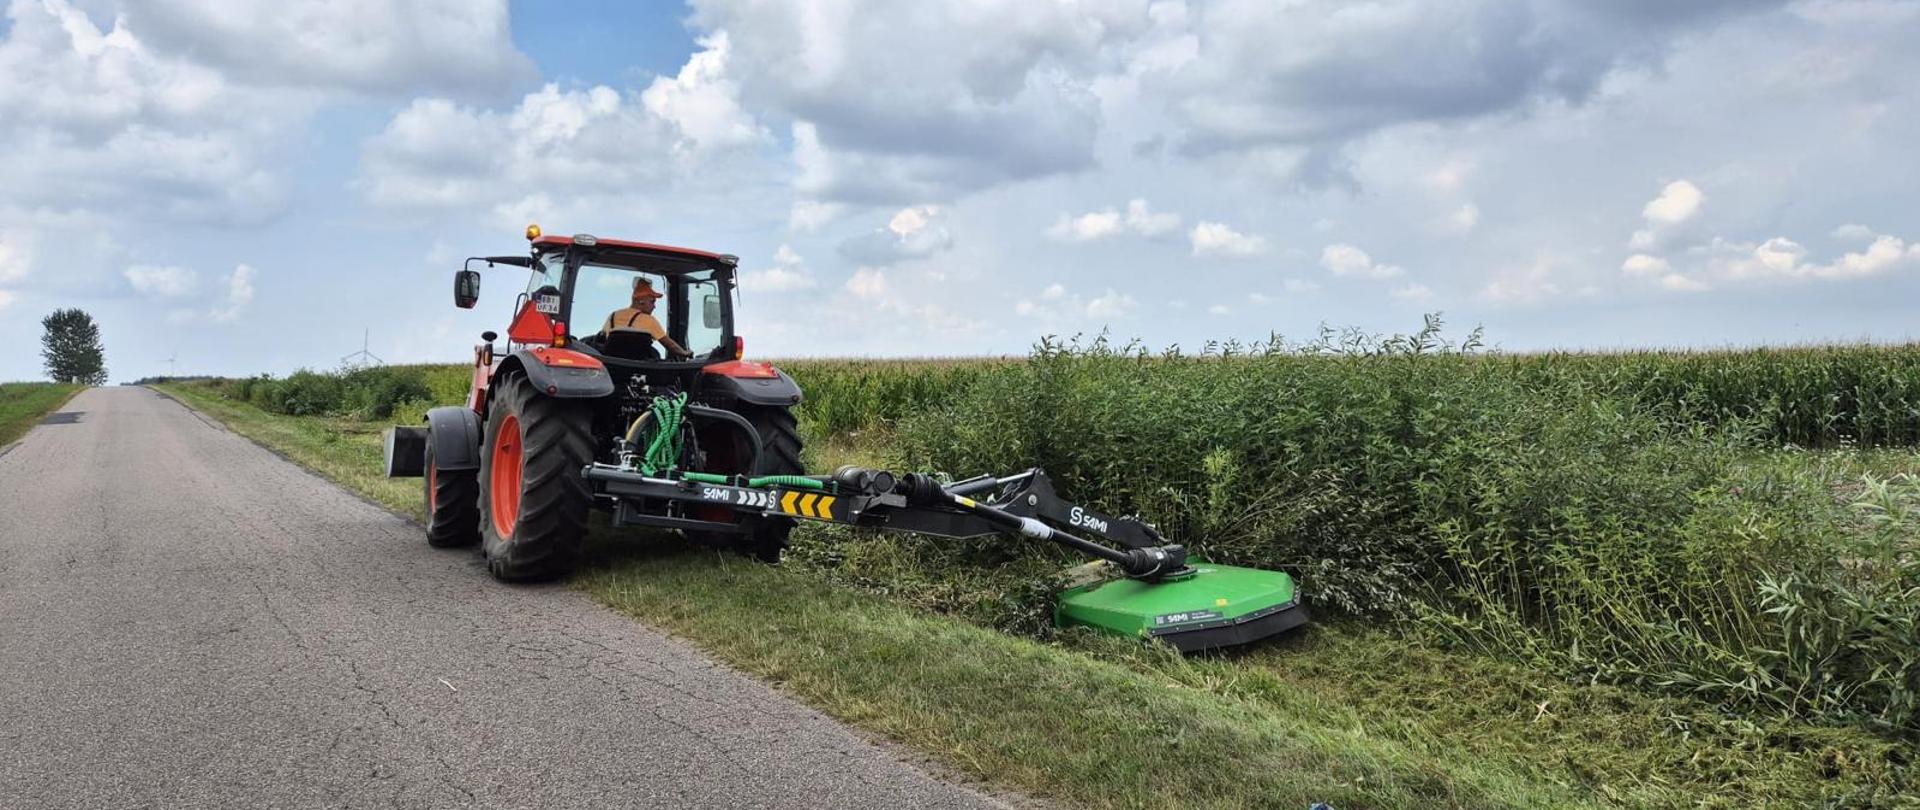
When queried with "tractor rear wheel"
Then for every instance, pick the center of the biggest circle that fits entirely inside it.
(453, 504)
(766, 537)
(533, 498)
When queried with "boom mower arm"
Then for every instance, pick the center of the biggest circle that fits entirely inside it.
(1023, 504)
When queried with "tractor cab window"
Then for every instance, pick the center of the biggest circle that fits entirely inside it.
(545, 281)
(599, 291)
(690, 307)
(705, 318)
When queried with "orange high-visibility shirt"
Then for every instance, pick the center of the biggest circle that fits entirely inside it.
(633, 320)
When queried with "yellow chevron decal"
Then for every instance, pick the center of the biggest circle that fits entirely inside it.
(786, 502)
(824, 509)
(806, 505)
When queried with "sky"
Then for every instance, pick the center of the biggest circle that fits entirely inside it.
(244, 187)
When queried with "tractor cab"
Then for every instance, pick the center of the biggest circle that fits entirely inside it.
(629, 304)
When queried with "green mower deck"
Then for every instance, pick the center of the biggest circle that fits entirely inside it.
(1215, 606)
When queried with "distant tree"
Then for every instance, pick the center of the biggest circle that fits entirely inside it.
(71, 348)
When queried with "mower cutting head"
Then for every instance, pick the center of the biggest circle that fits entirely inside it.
(1214, 606)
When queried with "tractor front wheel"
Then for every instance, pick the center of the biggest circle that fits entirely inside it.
(453, 505)
(533, 498)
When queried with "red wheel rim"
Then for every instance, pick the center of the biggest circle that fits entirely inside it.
(433, 492)
(506, 477)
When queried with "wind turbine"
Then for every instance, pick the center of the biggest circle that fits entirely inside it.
(363, 355)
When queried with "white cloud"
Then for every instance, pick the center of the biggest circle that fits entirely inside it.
(1086, 227)
(1779, 259)
(1140, 219)
(1299, 285)
(93, 119)
(606, 150)
(1681, 283)
(1302, 84)
(867, 282)
(1412, 292)
(1641, 264)
(7, 297)
(1143, 220)
(1110, 304)
(239, 294)
(914, 232)
(1055, 304)
(1667, 217)
(806, 216)
(1218, 239)
(165, 282)
(1347, 260)
(1219, 309)
(1677, 203)
(457, 46)
(702, 103)
(788, 274)
(894, 103)
(15, 259)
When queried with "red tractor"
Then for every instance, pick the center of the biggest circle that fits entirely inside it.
(505, 470)
(657, 420)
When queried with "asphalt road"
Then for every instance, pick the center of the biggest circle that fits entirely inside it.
(187, 620)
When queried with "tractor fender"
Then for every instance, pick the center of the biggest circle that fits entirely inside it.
(756, 388)
(559, 373)
(455, 433)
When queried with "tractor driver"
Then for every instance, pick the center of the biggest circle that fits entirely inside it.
(639, 318)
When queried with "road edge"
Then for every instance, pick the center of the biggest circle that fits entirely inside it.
(38, 418)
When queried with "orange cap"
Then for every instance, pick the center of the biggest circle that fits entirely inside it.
(644, 289)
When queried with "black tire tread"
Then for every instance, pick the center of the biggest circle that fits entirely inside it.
(780, 448)
(453, 519)
(557, 435)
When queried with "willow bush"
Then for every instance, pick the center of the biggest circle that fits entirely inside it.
(1559, 517)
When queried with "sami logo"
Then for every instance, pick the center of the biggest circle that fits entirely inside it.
(1079, 517)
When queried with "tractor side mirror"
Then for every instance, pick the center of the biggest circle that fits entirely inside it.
(466, 288)
(710, 312)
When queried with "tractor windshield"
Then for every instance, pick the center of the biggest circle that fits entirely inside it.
(688, 309)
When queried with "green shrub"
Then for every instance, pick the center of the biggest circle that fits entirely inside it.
(1549, 517)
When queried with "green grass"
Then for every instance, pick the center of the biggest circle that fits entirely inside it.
(1342, 713)
(22, 405)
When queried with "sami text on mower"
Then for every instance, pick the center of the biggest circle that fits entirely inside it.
(659, 420)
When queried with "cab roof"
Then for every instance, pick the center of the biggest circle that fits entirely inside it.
(557, 242)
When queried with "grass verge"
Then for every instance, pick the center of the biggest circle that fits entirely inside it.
(1355, 717)
(22, 405)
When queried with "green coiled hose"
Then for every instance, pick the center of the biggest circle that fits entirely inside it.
(663, 450)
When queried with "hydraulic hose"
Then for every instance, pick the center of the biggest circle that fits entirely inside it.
(662, 452)
(789, 481)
